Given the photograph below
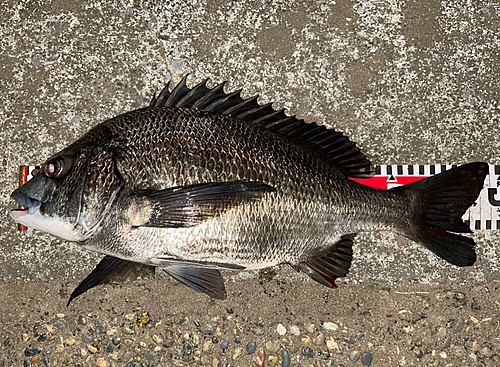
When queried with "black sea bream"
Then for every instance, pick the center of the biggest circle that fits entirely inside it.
(202, 180)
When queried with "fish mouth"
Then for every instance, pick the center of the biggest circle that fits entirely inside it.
(29, 204)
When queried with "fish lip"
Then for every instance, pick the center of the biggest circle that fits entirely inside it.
(30, 204)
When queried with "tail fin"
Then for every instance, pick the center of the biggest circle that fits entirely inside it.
(439, 203)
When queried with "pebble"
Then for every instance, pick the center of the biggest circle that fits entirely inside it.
(188, 349)
(101, 362)
(273, 347)
(441, 333)
(237, 341)
(126, 356)
(101, 326)
(82, 320)
(26, 324)
(70, 341)
(294, 330)
(360, 336)
(285, 358)
(307, 352)
(459, 325)
(366, 359)
(109, 348)
(330, 326)
(319, 339)
(354, 356)
(128, 342)
(30, 352)
(128, 331)
(87, 338)
(215, 340)
(331, 344)
(418, 353)
(91, 348)
(184, 321)
(251, 348)
(131, 364)
(61, 324)
(347, 340)
(281, 330)
(42, 337)
(72, 325)
(257, 330)
(224, 345)
(238, 352)
(311, 328)
(207, 329)
(116, 341)
(196, 323)
(157, 339)
(36, 359)
(150, 357)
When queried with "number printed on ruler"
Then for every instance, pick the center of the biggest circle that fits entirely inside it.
(484, 214)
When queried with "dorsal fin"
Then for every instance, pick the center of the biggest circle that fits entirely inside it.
(332, 145)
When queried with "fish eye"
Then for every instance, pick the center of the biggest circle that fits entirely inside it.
(53, 168)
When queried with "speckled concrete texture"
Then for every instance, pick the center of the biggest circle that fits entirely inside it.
(412, 82)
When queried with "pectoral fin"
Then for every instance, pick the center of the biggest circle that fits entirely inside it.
(111, 269)
(203, 280)
(189, 206)
(330, 264)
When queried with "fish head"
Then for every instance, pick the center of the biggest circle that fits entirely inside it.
(72, 194)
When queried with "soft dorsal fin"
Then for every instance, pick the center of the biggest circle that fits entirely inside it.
(332, 145)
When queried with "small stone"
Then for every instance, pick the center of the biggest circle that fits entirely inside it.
(150, 357)
(306, 340)
(311, 328)
(101, 362)
(331, 344)
(31, 352)
(91, 348)
(215, 340)
(26, 323)
(70, 341)
(128, 342)
(109, 348)
(131, 364)
(285, 358)
(272, 347)
(459, 325)
(188, 349)
(281, 330)
(73, 325)
(128, 331)
(142, 319)
(224, 345)
(354, 356)
(294, 330)
(87, 338)
(101, 326)
(330, 326)
(82, 320)
(418, 353)
(206, 345)
(207, 329)
(36, 359)
(177, 352)
(319, 339)
(45, 362)
(441, 333)
(257, 330)
(42, 337)
(157, 339)
(360, 336)
(251, 348)
(61, 324)
(116, 341)
(307, 352)
(196, 323)
(474, 320)
(443, 355)
(126, 356)
(237, 341)
(366, 359)
(237, 353)
(114, 321)
(347, 340)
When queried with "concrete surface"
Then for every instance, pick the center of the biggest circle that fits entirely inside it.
(411, 82)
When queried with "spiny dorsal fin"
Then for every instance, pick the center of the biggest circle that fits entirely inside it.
(332, 145)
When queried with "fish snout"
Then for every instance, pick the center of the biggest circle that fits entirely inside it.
(32, 205)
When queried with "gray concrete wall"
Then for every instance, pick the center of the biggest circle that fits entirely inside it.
(410, 82)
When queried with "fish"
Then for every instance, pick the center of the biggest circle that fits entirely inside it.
(202, 180)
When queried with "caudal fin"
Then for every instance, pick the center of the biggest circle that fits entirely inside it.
(439, 202)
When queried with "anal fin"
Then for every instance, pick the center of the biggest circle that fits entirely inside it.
(204, 280)
(330, 264)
